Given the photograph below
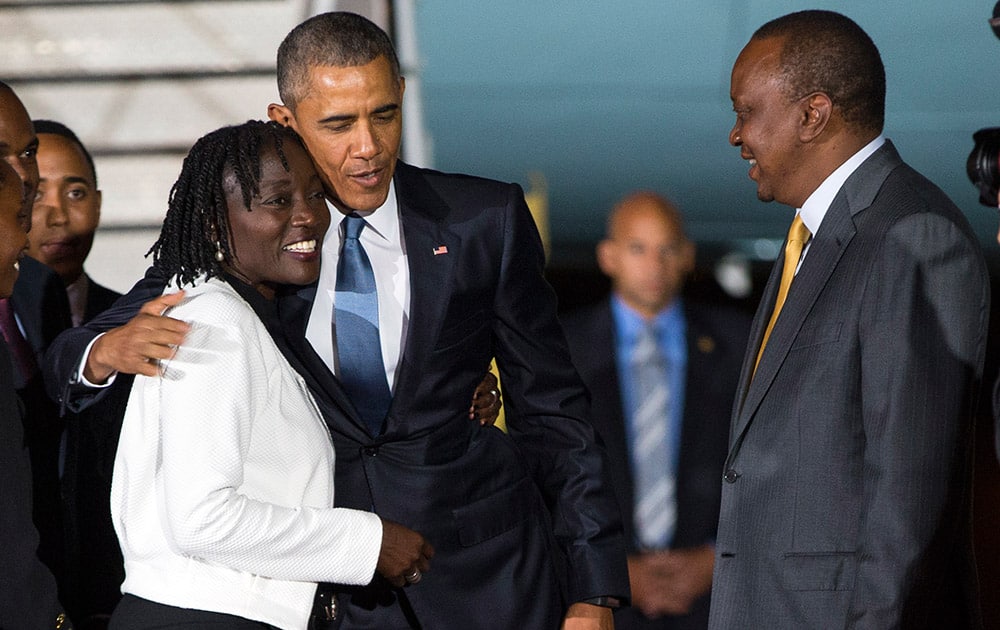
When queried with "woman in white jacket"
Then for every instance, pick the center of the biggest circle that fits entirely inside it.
(223, 481)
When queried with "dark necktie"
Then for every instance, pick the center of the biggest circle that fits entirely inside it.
(361, 369)
(21, 353)
(655, 493)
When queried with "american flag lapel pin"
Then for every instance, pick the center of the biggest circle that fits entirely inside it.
(440, 249)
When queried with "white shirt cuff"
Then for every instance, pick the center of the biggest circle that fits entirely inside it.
(79, 378)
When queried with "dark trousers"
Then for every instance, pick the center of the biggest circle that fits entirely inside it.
(135, 613)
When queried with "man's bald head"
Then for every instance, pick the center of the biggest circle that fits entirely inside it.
(646, 253)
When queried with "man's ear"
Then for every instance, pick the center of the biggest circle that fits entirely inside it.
(606, 257)
(281, 114)
(817, 108)
(688, 256)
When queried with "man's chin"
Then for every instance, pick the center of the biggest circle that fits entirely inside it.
(764, 196)
(7, 281)
(361, 202)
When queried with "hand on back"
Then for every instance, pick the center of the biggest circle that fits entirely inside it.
(138, 346)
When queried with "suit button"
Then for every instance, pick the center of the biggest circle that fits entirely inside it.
(731, 476)
(371, 451)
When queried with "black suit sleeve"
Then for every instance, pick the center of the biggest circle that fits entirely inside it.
(548, 415)
(65, 353)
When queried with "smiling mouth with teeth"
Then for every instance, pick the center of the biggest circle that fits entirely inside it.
(301, 247)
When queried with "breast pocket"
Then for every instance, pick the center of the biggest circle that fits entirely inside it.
(812, 336)
(493, 515)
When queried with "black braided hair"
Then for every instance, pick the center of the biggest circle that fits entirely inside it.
(197, 222)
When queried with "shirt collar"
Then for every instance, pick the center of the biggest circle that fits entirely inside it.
(814, 209)
(631, 323)
(76, 292)
(383, 220)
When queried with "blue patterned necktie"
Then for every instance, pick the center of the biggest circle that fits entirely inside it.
(655, 492)
(361, 369)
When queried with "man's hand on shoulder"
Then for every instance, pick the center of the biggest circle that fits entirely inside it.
(136, 347)
(582, 616)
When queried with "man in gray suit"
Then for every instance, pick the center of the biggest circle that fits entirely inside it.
(846, 490)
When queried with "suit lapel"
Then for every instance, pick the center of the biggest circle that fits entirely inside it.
(821, 260)
(825, 252)
(701, 364)
(293, 314)
(601, 352)
(431, 253)
(757, 327)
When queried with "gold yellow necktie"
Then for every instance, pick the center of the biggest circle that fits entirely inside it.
(798, 236)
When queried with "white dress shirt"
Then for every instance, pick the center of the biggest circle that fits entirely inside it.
(382, 239)
(814, 209)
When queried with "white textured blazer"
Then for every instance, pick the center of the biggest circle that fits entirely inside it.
(223, 481)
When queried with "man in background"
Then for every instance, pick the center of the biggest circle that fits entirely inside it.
(65, 217)
(662, 372)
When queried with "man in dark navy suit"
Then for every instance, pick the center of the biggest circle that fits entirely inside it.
(65, 217)
(457, 266)
(648, 258)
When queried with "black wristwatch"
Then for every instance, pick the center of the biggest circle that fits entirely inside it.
(604, 600)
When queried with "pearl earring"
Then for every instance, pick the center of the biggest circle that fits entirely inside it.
(219, 256)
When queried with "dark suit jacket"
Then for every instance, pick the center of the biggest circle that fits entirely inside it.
(477, 494)
(27, 588)
(64, 354)
(99, 299)
(716, 341)
(95, 571)
(39, 300)
(94, 568)
(846, 500)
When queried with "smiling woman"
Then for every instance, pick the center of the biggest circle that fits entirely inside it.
(223, 483)
(275, 234)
